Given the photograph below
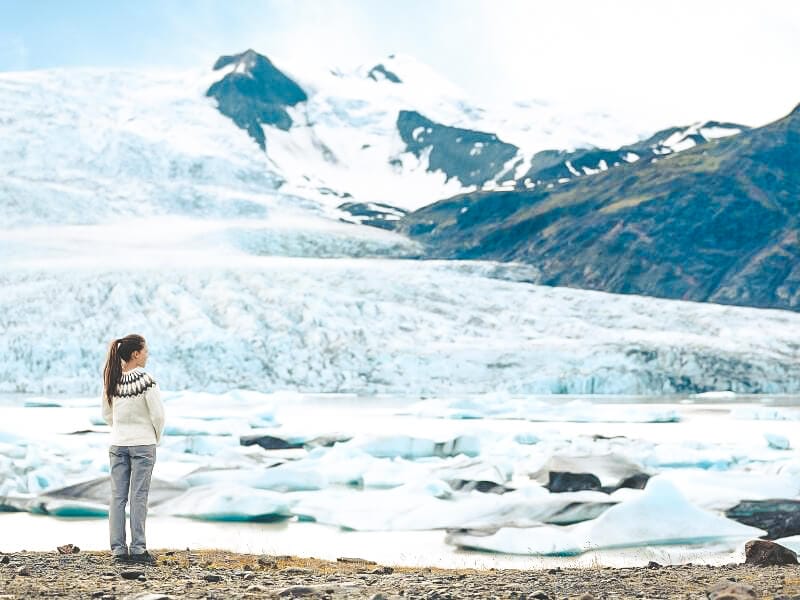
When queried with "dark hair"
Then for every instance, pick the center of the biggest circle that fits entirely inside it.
(120, 350)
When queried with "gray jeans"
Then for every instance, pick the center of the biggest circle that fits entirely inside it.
(131, 468)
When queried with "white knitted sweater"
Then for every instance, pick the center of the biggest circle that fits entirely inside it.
(136, 414)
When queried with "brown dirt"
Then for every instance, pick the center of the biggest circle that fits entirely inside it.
(182, 574)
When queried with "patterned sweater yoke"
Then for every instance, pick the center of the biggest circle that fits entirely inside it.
(134, 383)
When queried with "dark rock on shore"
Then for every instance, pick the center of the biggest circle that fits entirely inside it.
(764, 553)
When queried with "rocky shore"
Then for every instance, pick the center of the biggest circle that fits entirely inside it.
(222, 575)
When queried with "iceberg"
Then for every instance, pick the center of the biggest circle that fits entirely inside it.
(283, 477)
(660, 515)
(503, 406)
(411, 447)
(765, 413)
(433, 504)
(228, 503)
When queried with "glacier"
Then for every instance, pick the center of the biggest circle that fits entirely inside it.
(378, 326)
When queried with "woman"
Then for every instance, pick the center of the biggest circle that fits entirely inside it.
(132, 406)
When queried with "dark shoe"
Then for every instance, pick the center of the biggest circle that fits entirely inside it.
(119, 558)
(145, 558)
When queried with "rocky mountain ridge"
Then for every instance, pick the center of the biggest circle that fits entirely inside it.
(714, 223)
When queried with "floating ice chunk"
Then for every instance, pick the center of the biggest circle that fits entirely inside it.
(541, 540)
(229, 503)
(406, 508)
(720, 490)
(659, 516)
(343, 464)
(718, 395)
(498, 406)
(282, 478)
(7, 437)
(69, 508)
(41, 403)
(11, 451)
(98, 492)
(687, 456)
(411, 447)
(201, 445)
(33, 458)
(466, 473)
(11, 485)
(432, 504)
(194, 426)
(385, 473)
(527, 438)
(43, 478)
(777, 442)
(765, 413)
(610, 469)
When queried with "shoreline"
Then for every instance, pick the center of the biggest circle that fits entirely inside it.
(220, 574)
(421, 549)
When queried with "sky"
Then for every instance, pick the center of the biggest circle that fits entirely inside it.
(678, 61)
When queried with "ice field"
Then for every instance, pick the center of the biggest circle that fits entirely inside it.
(407, 467)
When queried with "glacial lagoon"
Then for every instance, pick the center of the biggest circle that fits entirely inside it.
(447, 481)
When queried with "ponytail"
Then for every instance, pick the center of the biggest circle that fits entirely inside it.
(119, 350)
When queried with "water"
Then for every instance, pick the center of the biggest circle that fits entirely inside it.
(708, 427)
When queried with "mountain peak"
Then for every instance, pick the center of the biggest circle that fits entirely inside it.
(380, 73)
(245, 62)
(254, 92)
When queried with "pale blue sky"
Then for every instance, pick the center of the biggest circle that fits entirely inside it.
(684, 59)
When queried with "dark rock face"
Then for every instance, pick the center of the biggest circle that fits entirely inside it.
(562, 481)
(634, 482)
(559, 165)
(486, 487)
(572, 482)
(716, 223)
(255, 93)
(472, 157)
(374, 214)
(779, 518)
(379, 72)
(764, 553)
(269, 442)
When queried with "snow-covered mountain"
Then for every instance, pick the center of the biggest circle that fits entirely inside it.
(397, 133)
(129, 202)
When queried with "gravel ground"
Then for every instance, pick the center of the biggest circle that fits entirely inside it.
(223, 575)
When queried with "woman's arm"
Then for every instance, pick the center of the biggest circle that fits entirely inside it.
(156, 408)
(108, 412)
